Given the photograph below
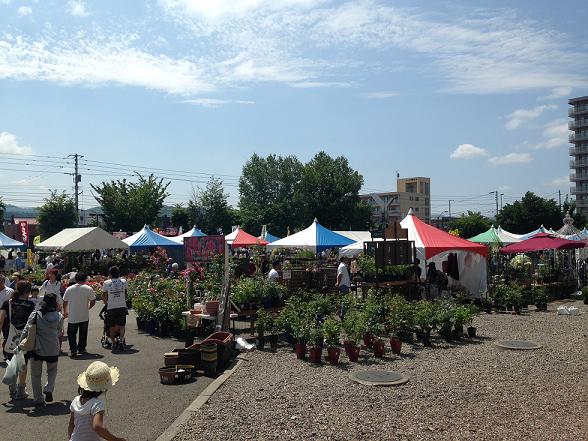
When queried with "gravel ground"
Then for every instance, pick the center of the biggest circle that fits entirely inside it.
(466, 391)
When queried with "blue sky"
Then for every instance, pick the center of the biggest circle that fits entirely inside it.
(471, 93)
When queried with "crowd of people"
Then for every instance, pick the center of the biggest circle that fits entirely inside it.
(37, 314)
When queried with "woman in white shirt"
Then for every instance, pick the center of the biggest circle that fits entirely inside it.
(52, 285)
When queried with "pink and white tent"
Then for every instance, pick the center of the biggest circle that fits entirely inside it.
(434, 245)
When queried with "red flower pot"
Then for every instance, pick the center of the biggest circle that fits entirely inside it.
(368, 340)
(315, 354)
(333, 355)
(300, 349)
(212, 307)
(396, 345)
(378, 346)
(352, 351)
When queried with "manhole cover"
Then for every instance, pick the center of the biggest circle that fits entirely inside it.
(518, 345)
(378, 378)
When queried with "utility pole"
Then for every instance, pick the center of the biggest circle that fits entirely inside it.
(559, 197)
(77, 179)
(450, 201)
(501, 194)
(496, 194)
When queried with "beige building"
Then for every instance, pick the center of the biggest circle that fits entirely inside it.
(393, 206)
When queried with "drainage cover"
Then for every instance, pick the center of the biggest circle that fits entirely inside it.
(518, 345)
(378, 378)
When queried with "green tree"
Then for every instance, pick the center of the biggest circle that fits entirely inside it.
(128, 206)
(181, 217)
(529, 213)
(58, 212)
(329, 191)
(211, 206)
(267, 190)
(471, 224)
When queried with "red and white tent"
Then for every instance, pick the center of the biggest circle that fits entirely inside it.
(240, 238)
(434, 245)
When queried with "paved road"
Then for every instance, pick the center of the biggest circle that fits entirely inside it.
(139, 407)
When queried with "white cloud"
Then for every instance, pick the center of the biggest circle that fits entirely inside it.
(468, 151)
(511, 158)
(24, 10)
(9, 144)
(97, 62)
(77, 8)
(317, 84)
(379, 95)
(521, 116)
(213, 103)
(504, 188)
(556, 93)
(555, 134)
(560, 182)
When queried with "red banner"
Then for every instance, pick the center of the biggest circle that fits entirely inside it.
(203, 249)
(23, 227)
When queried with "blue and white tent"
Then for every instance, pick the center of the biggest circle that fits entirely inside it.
(194, 232)
(7, 242)
(147, 238)
(269, 237)
(541, 229)
(314, 238)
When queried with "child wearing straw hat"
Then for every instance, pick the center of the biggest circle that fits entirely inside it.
(86, 421)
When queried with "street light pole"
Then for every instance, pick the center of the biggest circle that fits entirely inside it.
(501, 194)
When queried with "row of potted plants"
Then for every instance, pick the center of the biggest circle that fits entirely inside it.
(314, 321)
(507, 296)
(257, 290)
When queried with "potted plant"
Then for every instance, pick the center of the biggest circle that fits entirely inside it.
(354, 327)
(262, 324)
(473, 311)
(424, 316)
(444, 320)
(332, 332)
(378, 344)
(461, 314)
(300, 331)
(315, 352)
(541, 298)
(273, 327)
(514, 298)
(399, 321)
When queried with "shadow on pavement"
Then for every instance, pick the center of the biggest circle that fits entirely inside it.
(26, 407)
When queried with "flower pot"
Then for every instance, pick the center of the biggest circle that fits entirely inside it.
(368, 339)
(140, 323)
(471, 332)
(396, 345)
(352, 351)
(212, 307)
(585, 300)
(457, 332)
(273, 339)
(260, 342)
(300, 349)
(333, 355)
(426, 338)
(378, 346)
(405, 335)
(446, 334)
(516, 310)
(151, 327)
(315, 354)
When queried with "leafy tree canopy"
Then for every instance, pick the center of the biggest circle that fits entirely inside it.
(58, 212)
(128, 206)
(529, 213)
(181, 217)
(470, 224)
(209, 208)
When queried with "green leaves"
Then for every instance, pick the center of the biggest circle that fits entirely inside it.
(128, 206)
(58, 212)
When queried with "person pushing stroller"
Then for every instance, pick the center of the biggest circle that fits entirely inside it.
(114, 292)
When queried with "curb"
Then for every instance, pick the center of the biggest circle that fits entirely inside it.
(200, 400)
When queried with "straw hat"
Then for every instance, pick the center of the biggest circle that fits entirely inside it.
(98, 377)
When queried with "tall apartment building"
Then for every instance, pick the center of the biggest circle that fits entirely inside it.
(392, 206)
(579, 165)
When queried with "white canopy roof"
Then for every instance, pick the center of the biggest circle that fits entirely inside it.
(355, 249)
(82, 239)
(314, 238)
(356, 236)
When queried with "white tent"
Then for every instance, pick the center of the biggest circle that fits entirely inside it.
(194, 232)
(356, 236)
(82, 239)
(314, 238)
(355, 249)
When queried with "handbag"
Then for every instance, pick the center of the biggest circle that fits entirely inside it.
(28, 343)
(13, 333)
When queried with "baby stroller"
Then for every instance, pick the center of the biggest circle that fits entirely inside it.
(105, 340)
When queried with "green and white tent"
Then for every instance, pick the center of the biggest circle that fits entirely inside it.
(494, 236)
